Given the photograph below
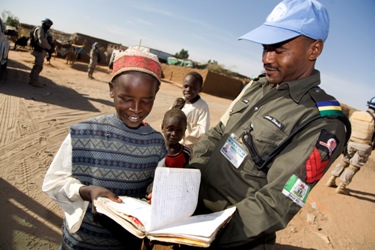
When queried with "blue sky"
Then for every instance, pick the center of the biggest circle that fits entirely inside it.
(209, 29)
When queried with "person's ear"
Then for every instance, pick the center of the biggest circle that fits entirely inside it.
(315, 50)
(111, 90)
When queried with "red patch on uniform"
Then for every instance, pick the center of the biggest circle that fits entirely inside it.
(315, 167)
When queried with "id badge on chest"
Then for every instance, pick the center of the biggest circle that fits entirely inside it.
(232, 150)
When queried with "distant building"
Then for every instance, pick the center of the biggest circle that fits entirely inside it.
(163, 56)
(112, 48)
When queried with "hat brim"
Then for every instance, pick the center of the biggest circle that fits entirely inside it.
(266, 34)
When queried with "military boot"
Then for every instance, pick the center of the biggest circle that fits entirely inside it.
(331, 182)
(341, 189)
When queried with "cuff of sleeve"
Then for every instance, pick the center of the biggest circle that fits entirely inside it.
(74, 191)
(74, 219)
(75, 216)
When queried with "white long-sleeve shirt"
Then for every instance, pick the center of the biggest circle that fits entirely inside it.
(198, 121)
(63, 188)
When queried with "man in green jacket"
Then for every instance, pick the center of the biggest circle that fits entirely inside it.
(278, 138)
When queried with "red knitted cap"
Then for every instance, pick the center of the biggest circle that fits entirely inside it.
(137, 59)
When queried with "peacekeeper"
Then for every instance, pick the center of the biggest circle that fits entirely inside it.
(41, 43)
(359, 149)
(278, 138)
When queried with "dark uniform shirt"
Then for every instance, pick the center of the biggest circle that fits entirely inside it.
(269, 113)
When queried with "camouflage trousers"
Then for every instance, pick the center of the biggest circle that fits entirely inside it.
(38, 65)
(356, 156)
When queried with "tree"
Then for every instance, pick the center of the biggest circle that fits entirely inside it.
(10, 19)
(183, 54)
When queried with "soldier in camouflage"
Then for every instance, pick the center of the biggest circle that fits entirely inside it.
(359, 148)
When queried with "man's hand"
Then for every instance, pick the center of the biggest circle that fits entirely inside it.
(91, 193)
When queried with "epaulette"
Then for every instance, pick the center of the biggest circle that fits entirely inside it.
(329, 107)
(326, 104)
(259, 76)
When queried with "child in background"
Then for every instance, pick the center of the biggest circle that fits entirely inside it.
(109, 156)
(173, 128)
(195, 109)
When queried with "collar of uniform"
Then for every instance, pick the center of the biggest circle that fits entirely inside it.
(298, 88)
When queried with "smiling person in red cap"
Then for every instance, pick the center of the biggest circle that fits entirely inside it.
(278, 138)
(109, 156)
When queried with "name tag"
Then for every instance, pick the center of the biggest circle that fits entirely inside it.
(233, 151)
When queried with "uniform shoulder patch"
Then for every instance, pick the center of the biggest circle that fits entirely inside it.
(320, 157)
(327, 143)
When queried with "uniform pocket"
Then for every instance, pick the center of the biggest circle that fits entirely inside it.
(266, 136)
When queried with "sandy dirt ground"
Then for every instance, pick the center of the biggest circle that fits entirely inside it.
(34, 122)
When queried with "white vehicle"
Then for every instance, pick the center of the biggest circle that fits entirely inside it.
(4, 47)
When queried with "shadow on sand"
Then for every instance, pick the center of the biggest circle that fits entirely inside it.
(18, 220)
(14, 82)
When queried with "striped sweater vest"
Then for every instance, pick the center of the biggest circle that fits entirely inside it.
(109, 154)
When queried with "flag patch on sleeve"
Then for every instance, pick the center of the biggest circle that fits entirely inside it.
(296, 190)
